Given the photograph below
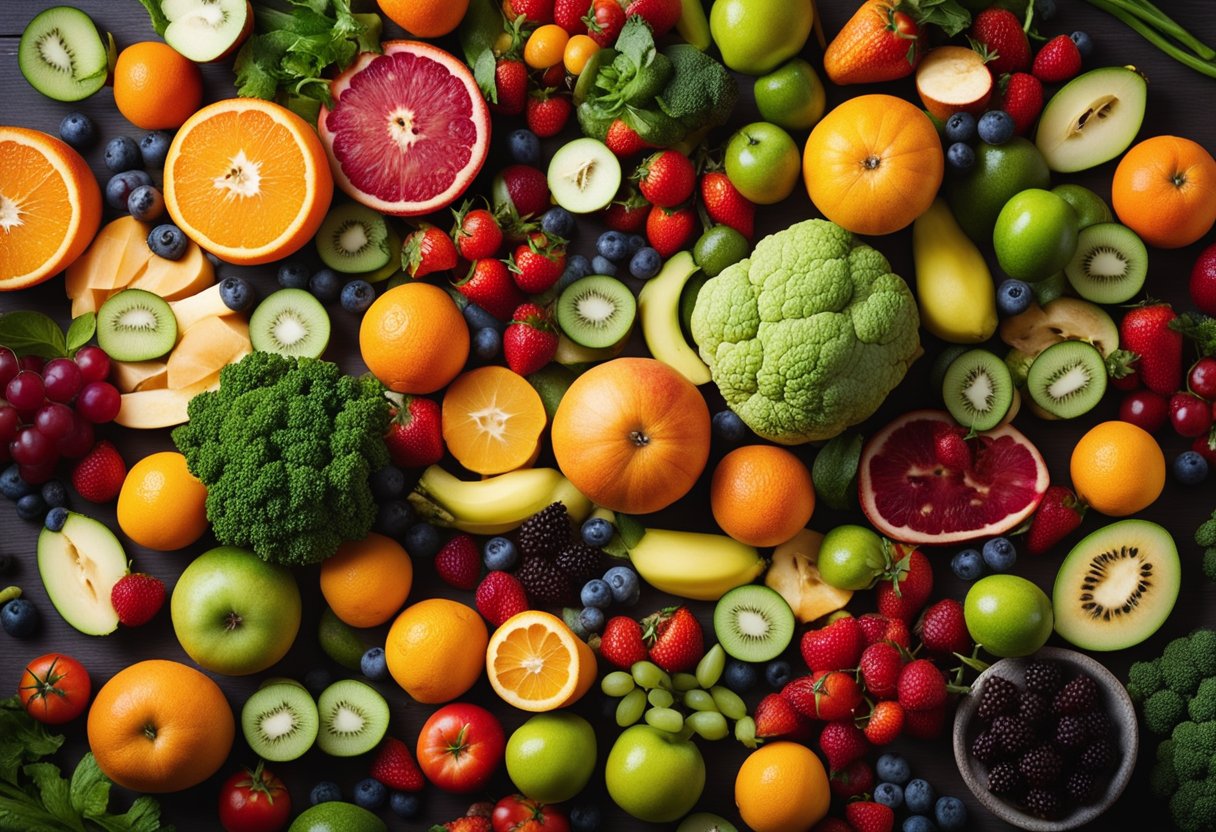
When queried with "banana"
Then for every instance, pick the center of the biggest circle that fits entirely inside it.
(694, 564)
(953, 284)
(693, 25)
(496, 504)
(659, 306)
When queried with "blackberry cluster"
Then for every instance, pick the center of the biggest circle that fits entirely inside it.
(984, 747)
(544, 583)
(1034, 709)
(545, 533)
(1043, 678)
(1005, 779)
(579, 562)
(1000, 696)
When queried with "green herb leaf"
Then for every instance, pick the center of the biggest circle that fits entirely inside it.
(629, 529)
(480, 27)
(81, 331)
(947, 15)
(1199, 328)
(53, 791)
(32, 333)
(159, 22)
(22, 739)
(636, 41)
(90, 789)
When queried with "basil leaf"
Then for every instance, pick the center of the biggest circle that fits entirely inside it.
(32, 333)
(81, 331)
(629, 529)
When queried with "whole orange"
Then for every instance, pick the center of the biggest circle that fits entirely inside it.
(761, 495)
(162, 506)
(1117, 468)
(155, 86)
(436, 649)
(414, 339)
(1164, 189)
(367, 580)
(782, 787)
(160, 726)
(425, 18)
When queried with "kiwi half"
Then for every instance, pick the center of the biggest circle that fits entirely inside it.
(1067, 379)
(1110, 264)
(134, 325)
(354, 239)
(62, 55)
(753, 623)
(596, 311)
(977, 389)
(280, 721)
(354, 718)
(290, 322)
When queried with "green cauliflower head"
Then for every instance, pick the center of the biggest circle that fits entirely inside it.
(808, 335)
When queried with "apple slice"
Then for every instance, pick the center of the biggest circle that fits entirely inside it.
(207, 30)
(953, 79)
(584, 176)
(79, 566)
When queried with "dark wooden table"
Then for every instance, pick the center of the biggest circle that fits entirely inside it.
(1180, 102)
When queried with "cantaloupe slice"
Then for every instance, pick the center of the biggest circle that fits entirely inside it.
(130, 376)
(176, 279)
(207, 347)
(152, 409)
(193, 309)
(89, 300)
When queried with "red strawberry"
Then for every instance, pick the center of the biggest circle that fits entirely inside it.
(547, 114)
(666, 178)
(886, 722)
(876, 628)
(776, 717)
(569, 15)
(1057, 60)
(1056, 517)
(137, 598)
(675, 639)
(621, 642)
(414, 438)
(98, 476)
(627, 215)
(832, 825)
(623, 140)
(530, 340)
(925, 725)
(825, 694)
(499, 596)
(1022, 98)
(395, 767)
(725, 205)
(1129, 381)
(605, 21)
(950, 448)
(523, 188)
(857, 778)
(670, 230)
(880, 666)
(535, 12)
(834, 647)
(476, 233)
(537, 265)
(943, 630)
(465, 824)
(660, 14)
(427, 250)
(999, 32)
(510, 87)
(909, 588)
(489, 285)
(1202, 283)
(459, 562)
(1145, 331)
(842, 742)
(868, 816)
(921, 686)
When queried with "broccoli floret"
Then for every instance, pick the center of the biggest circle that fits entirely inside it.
(1163, 710)
(1165, 751)
(1163, 780)
(285, 447)
(1203, 651)
(1205, 535)
(701, 93)
(1194, 745)
(1178, 669)
(1202, 706)
(1193, 805)
(1209, 563)
(1144, 679)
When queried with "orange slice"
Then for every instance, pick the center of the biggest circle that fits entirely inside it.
(492, 420)
(536, 663)
(247, 180)
(50, 207)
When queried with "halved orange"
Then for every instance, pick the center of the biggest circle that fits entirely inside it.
(536, 663)
(247, 180)
(50, 207)
(492, 420)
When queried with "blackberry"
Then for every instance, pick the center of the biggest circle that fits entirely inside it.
(1000, 696)
(1076, 697)
(1041, 766)
(1034, 709)
(1043, 677)
(1042, 803)
(1097, 724)
(546, 532)
(1098, 756)
(1080, 786)
(1004, 779)
(985, 748)
(1012, 734)
(1071, 733)
(543, 582)
(579, 562)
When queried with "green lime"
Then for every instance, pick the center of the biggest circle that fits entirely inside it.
(551, 382)
(1035, 235)
(339, 640)
(719, 247)
(1000, 171)
(1008, 615)
(834, 472)
(791, 96)
(851, 557)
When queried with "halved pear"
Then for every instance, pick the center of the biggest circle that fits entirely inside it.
(79, 566)
(1092, 119)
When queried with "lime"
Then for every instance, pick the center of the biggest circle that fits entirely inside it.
(851, 557)
(719, 247)
(339, 640)
(835, 471)
(1008, 615)
(791, 96)
(1091, 209)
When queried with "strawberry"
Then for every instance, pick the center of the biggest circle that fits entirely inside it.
(1057, 60)
(621, 642)
(943, 630)
(776, 717)
(1022, 97)
(510, 87)
(465, 824)
(396, 768)
(623, 140)
(886, 722)
(825, 694)
(999, 33)
(878, 43)
(662, 15)
(569, 15)
(526, 189)
(868, 816)
(499, 596)
(925, 725)
(832, 825)
(547, 114)
(605, 21)
(458, 563)
(535, 12)
(489, 285)
(553, 77)
(1145, 331)
(877, 628)
(834, 647)
(137, 598)
(476, 233)
(857, 778)
(414, 438)
(670, 230)
(98, 476)
(725, 205)
(910, 586)
(950, 448)
(1129, 381)
(842, 742)
(880, 666)
(427, 250)
(627, 215)
(921, 686)
(675, 639)
(537, 264)
(530, 340)
(1056, 517)
(666, 178)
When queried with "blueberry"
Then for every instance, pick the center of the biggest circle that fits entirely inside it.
(167, 241)
(405, 805)
(487, 343)
(422, 540)
(967, 565)
(324, 792)
(325, 285)
(596, 593)
(1044, 9)
(123, 154)
(586, 818)
(728, 426)
(154, 147)
(995, 127)
(78, 130)
(293, 275)
(960, 157)
(1190, 468)
(11, 484)
(19, 618)
(950, 813)
(999, 554)
(893, 768)
(55, 518)
(739, 676)
(577, 267)
(612, 245)
(374, 665)
(645, 264)
(317, 680)
(145, 203)
(624, 584)
(634, 243)
(1013, 297)
(118, 189)
(777, 673)
(54, 494)
(602, 265)
(388, 483)
(918, 823)
(7, 564)
(889, 794)
(357, 296)
(478, 318)
(597, 532)
(573, 619)
(960, 127)
(500, 554)
(394, 518)
(1085, 44)
(557, 222)
(919, 796)
(592, 619)
(524, 147)
(236, 293)
(31, 507)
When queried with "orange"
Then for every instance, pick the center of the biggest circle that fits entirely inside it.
(782, 787)
(155, 86)
(492, 420)
(247, 180)
(434, 649)
(50, 207)
(367, 580)
(1164, 189)
(162, 505)
(160, 726)
(414, 339)
(761, 495)
(1117, 468)
(536, 663)
(425, 18)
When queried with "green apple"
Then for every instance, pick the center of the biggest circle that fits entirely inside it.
(234, 613)
(851, 557)
(1091, 209)
(337, 816)
(1008, 615)
(705, 822)
(654, 775)
(79, 565)
(1035, 235)
(551, 757)
(791, 96)
(763, 163)
(756, 36)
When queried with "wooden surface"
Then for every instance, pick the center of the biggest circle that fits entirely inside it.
(1179, 102)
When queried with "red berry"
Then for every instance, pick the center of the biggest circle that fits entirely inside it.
(1145, 409)
(1190, 415)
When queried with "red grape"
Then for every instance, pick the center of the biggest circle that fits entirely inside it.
(94, 364)
(62, 379)
(98, 402)
(1145, 409)
(32, 448)
(55, 420)
(33, 363)
(1190, 415)
(8, 365)
(1201, 379)
(9, 422)
(80, 441)
(37, 474)
(25, 391)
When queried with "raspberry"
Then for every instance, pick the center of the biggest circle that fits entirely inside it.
(1077, 697)
(985, 748)
(1043, 803)
(1000, 696)
(1033, 709)
(1097, 756)
(1043, 677)
(579, 562)
(1004, 779)
(1041, 766)
(1080, 786)
(546, 532)
(1012, 735)
(1070, 733)
(543, 583)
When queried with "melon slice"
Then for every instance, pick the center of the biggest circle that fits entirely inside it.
(204, 304)
(175, 279)
(152, 409)
(89, 300)
(206, 348)
(129, 376)
(117, 253)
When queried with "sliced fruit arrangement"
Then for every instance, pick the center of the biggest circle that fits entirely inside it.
(62, 54)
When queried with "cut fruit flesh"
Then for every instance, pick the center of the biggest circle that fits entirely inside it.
(794, 573)
(208, 347)
(584, 176)
(1063, 319)
(353, 716)
(1092, 119)
(1067, 379)
(290, 322)
(953, 79)
(492, 420)
(129, 376)
(354, 239)
(207, 30)
(1110, 265)
(134, 325)
(205, 304)
(596, 311)
(753, 623)
(151, 409)
(79, 566)
(978, 389)
(535, 663)
(280, 721)
(62, 55)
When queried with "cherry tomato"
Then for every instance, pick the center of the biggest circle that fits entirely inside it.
(460, 746)
(254, 801)
(517, 813)
(579, 50)
(545, 46)
(54, 688)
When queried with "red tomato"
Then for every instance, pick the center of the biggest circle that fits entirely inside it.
(254, 801)
(460, 746)
(519, 814)
(54, 688)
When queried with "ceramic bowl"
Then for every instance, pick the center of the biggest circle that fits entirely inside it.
(1113, 698)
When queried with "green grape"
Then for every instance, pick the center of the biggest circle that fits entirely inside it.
(729, 703)
(629, 709)
(617, 683)
(660, 698)
(745, 732)
(709, 724)
(684, 681)
(649, 675)
(709, 669)
(665, 719)
(699, 700)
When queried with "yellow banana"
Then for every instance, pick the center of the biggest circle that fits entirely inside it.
(496, 504)
(953, 284)
(694, 564)
(659, 306)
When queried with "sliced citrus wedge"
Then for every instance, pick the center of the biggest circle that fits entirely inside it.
(535, 662)
(492, 420)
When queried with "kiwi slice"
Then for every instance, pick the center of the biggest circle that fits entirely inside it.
(753, 623)
(977, 389)
(1067, 379)
(596, 311)
(134, 325)
(1110, 264)
(1117, 586)
(62, 55)
(354, 718)
(354, 239)
(280, 721)
(290, 322)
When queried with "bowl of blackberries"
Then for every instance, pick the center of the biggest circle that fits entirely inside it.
(1046, 742)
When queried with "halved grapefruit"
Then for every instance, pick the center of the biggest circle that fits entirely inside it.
(408, 129)
(910, 497)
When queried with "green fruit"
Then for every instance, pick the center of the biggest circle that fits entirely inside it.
(791, 96)
(756, 36)
(79, 565)
(335, 816)
(719, 247)
(551, 383)
(851, 557)
(1091, 209)
(1000, 171)
(705, 822)
(763, 163)
(1008, 615)
(1035, 235)
(339, 640)
(551, 757)
(654, 775)
(688, 302)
